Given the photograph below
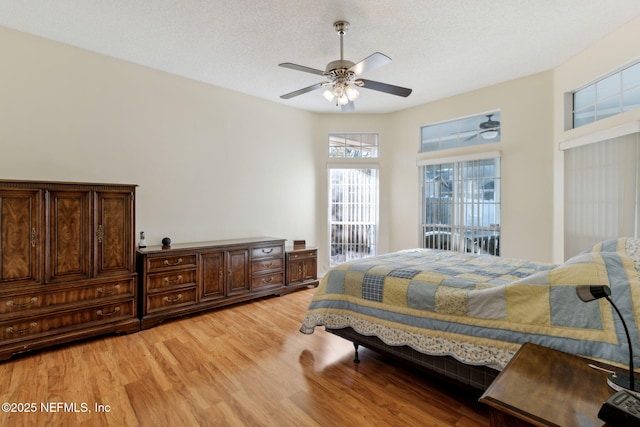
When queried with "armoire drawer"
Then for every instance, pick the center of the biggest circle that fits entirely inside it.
(26, 302)
(33, 326)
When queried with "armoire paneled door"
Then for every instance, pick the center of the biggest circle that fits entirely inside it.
(67, 262)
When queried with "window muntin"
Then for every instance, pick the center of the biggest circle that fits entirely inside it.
(461, 206)
(457, 133)
(607, 97)
(353, 145)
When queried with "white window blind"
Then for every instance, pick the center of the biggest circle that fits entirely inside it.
(601, 192)
(353, 216)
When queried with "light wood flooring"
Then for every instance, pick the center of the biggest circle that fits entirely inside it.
(245, 365)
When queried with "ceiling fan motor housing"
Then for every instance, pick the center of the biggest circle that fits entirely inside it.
(338, 65)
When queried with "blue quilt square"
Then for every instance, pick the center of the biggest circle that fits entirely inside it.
(372, 286)
(567, 310)
(404, 273)
(422, 295)
(335, 282)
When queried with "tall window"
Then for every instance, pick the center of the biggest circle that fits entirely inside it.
(602, 192)
(461, 205)
(353, 196)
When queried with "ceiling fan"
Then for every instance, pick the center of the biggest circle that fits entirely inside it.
(343, 76)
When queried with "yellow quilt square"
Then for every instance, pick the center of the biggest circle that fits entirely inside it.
(528, 304)
(395, 291)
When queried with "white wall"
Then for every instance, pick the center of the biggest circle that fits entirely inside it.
(526, 164)
(210, 163)
(609, 54)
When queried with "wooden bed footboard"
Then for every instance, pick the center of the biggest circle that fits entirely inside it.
(445, 367)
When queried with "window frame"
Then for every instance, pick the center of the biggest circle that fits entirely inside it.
(623, 92)
(459, 243)
(359, 162)
(464, 138)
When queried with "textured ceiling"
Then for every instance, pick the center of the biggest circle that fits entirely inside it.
(439, 48)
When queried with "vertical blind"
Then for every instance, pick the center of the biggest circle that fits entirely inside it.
(353, 213)
(601, 192)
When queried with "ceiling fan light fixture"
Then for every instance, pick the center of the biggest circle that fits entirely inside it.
(489, 134)
(343, 100)
(341, 94)
(351, 93)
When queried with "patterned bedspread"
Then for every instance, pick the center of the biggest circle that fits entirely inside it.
(480, 309)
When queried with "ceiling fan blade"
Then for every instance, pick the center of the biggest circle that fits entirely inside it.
(369, 63)
(348, 107)
(301, 91)
(301, 68)
(383, 87)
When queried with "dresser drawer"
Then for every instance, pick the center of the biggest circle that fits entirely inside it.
(302, 254)
(171, 300)
(171, 261)
(266, 265)
(267, 251)
(170, 279)
(267, 280)
(28, 327)
(23, 304)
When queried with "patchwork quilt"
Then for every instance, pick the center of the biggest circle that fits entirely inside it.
(480, 309)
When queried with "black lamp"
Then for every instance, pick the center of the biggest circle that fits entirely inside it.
(589, 293)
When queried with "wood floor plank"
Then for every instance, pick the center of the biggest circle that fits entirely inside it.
(238, 366)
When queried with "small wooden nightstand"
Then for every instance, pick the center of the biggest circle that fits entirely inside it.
(301, 267)
(545, 387)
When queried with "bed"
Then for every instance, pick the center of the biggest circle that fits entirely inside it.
(463, 316)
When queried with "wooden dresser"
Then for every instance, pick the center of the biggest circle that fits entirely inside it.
(67, 263)
(191, 277)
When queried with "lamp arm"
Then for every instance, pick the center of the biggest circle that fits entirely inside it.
(626, 331)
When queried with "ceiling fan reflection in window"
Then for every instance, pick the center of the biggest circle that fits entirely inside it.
(343, 76)
(488, 129)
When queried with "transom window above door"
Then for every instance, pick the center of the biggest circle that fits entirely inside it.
(353, 146)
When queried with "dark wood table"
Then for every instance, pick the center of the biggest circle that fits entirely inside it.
(545, 387)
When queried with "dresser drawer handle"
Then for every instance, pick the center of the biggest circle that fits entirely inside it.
(10, 329)
(269, 280)
(22, 305)
(178, 262)
(173, 282)
(267, 265)
(107, 292)
(171, 301)
(265, 251)
(111, 313)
